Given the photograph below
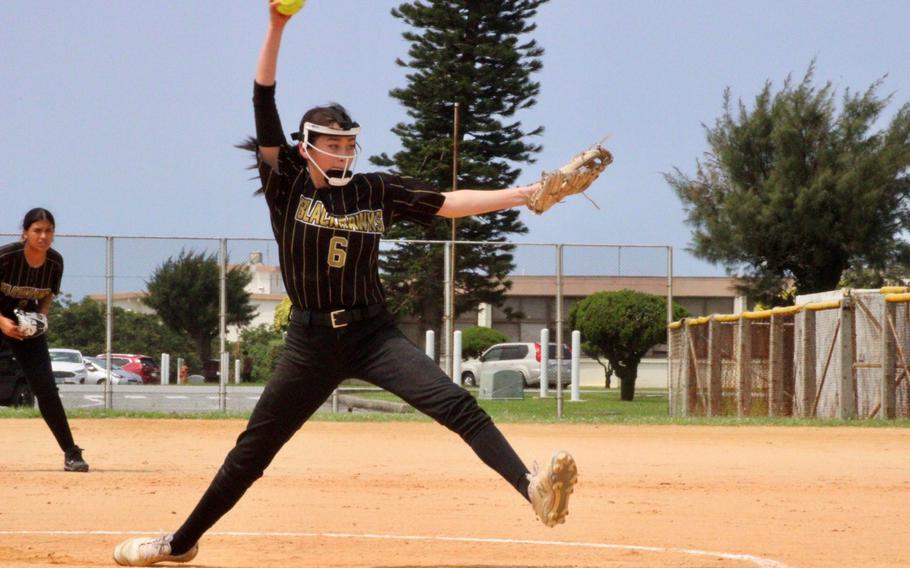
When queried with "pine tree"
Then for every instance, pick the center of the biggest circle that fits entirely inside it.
(476, 54)
(795, 191)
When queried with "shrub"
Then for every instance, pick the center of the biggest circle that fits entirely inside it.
(476, 340)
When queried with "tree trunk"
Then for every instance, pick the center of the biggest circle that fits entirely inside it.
(627, 390)
(204, 346)
(608, 372)
(627, 371)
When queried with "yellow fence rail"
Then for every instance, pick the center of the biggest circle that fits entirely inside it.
(843, 358)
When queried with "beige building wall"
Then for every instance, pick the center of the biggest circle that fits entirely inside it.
(534, 298)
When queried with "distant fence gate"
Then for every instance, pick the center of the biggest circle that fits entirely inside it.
(846, 357)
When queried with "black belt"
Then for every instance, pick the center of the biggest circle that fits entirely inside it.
(336, 318)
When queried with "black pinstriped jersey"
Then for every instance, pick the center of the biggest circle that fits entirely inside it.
(21, 286)
(329, 237)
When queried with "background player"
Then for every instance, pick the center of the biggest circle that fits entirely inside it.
(328, 223)
(30, 274)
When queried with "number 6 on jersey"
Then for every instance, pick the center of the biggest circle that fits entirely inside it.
(337, 252)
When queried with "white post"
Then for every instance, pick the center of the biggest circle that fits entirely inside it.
(456, 357)
(165, 369)
(237, 371)
(179, 367)
(430, 345)
(544, 362)
(576, 357)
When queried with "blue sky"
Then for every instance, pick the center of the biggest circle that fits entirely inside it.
(120, 116)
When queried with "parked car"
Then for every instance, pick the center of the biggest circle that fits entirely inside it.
(68, 366)
(142, 365)
(96, 368)
(14, 389)
(521, 357)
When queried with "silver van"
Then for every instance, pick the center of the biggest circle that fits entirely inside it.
(521, 357)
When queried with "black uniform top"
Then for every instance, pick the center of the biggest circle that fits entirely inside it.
(22, 286)
(329, 237)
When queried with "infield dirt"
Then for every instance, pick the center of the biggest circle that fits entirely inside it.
(395, 495)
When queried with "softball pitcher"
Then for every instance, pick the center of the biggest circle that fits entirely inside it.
(328, 222)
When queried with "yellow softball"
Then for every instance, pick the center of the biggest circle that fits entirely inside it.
(290, 7)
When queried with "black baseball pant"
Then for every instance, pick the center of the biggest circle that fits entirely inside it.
(35, 362)
(313, 363)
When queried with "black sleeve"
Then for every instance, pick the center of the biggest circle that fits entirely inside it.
(268, 124)
(411, 200)
(276, 185)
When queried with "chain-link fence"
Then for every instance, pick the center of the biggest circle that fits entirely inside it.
(116, 289)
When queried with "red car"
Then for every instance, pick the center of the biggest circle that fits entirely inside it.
(142, 365)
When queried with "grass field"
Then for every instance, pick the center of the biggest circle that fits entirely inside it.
(596, 407)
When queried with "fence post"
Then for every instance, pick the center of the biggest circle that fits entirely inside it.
(449, 307)
(109, 319)
(806, 366)
(715, 380)
(889, 316)
(744, 367)
(776, 367)
(847, 387)
(559, 333)
(222, 325)
(687, 384)
(672, 387)
(224, 371)
(670, 353)
(544, 362)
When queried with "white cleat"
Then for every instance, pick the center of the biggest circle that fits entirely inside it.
(550, 488)
(146, 551)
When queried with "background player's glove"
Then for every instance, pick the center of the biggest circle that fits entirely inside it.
(31, 324)
(572, 178)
